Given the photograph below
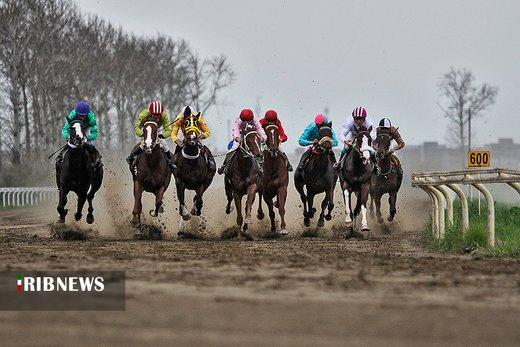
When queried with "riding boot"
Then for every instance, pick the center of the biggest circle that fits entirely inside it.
(135, 153)
(303, 161)
(222, 168)
(289, 166)
(170, 159)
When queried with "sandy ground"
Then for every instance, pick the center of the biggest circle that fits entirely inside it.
(386, 290)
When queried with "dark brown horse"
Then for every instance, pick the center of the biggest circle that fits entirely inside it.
(275, 178)
(193, 171)
(76, 173)
(387, 179)
(151, 173)
(318, 177)
(355, 178)
(244, 178)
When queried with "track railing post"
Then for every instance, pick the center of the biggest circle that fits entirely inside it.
(463, 206)
(490, 212)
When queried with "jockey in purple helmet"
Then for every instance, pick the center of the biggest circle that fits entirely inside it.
(89, 127)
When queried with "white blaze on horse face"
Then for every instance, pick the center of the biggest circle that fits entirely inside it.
(77, 129)
(148, 140)
(346, 194)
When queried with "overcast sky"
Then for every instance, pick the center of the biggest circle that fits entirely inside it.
(298, 57)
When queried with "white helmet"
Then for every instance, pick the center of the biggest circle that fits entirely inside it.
(385, 123)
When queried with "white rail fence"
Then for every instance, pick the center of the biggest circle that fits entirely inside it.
(438, 184)
(26, 196)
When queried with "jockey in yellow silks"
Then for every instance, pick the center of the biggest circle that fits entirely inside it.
(188, 119)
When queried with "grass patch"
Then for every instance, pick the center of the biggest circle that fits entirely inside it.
(507, 232)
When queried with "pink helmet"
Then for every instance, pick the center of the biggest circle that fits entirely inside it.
(359, 112)
(320, 119)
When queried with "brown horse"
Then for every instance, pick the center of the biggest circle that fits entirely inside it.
(318, 177)
(275, 178)
(355, 177)
(387, 180)
(151, 173)
(193, 171)
(243, 177)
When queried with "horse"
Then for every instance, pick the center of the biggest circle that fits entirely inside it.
(192, 172)
(76, 173)
(244, 177)
(318, 177)
(150, 173)
(275, 178)
(355, 175)
(387, 179)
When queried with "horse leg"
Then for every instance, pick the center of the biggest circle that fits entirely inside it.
(260, 213)
(371, 205)
(183, 211)
(282, 197)
(348, 205)
(238, 206)
(158, 201)
(392, 200)
(61, 205)
(270, 206)
(229, 195)
(363, 198)
(94, 187)
(312, 210)
(82, 198)
(197, 201)
(251, 194)
(303, 198)
(330, 205)
(377, 201)
(138, 206)
(324, 203)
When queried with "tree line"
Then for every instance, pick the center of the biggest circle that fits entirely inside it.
(52, 55)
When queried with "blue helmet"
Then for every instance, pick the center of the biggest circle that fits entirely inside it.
(82, 108)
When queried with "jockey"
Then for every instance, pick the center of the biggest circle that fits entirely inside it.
(201, 127)
(155, 110)
(385, 127)
(271, 117)
(311, 136)
(246, 116)
(83, 113)
(349, 131)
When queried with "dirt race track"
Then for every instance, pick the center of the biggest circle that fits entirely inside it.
(386, 290)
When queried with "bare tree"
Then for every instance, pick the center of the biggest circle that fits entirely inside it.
(463, 102)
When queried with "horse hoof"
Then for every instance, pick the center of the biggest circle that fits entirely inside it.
(348, 224)
(90, 218)
(77, 216)
(307, 222)
(181, 234)
(193, 211)
(390, 218)
(152, 213)
(283, 232)
(260, 215)
(321, 223)
(247, 221)
(229, 209)
(135, 223)
(365, 228)
(161, 209)
(186, 217)
(61, 220)
(246, 236)
(380, 220)
(328, 217)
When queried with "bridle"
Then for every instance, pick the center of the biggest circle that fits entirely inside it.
(381, 156)
(273, 151)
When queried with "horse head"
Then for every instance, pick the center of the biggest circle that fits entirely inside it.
(325, 138)
(251, 141)
(76, 137)
(383, 141)
(150, 132)
(362, 146)
(273, 138)
(191, 128)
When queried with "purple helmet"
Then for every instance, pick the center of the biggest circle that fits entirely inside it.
(82, 108)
